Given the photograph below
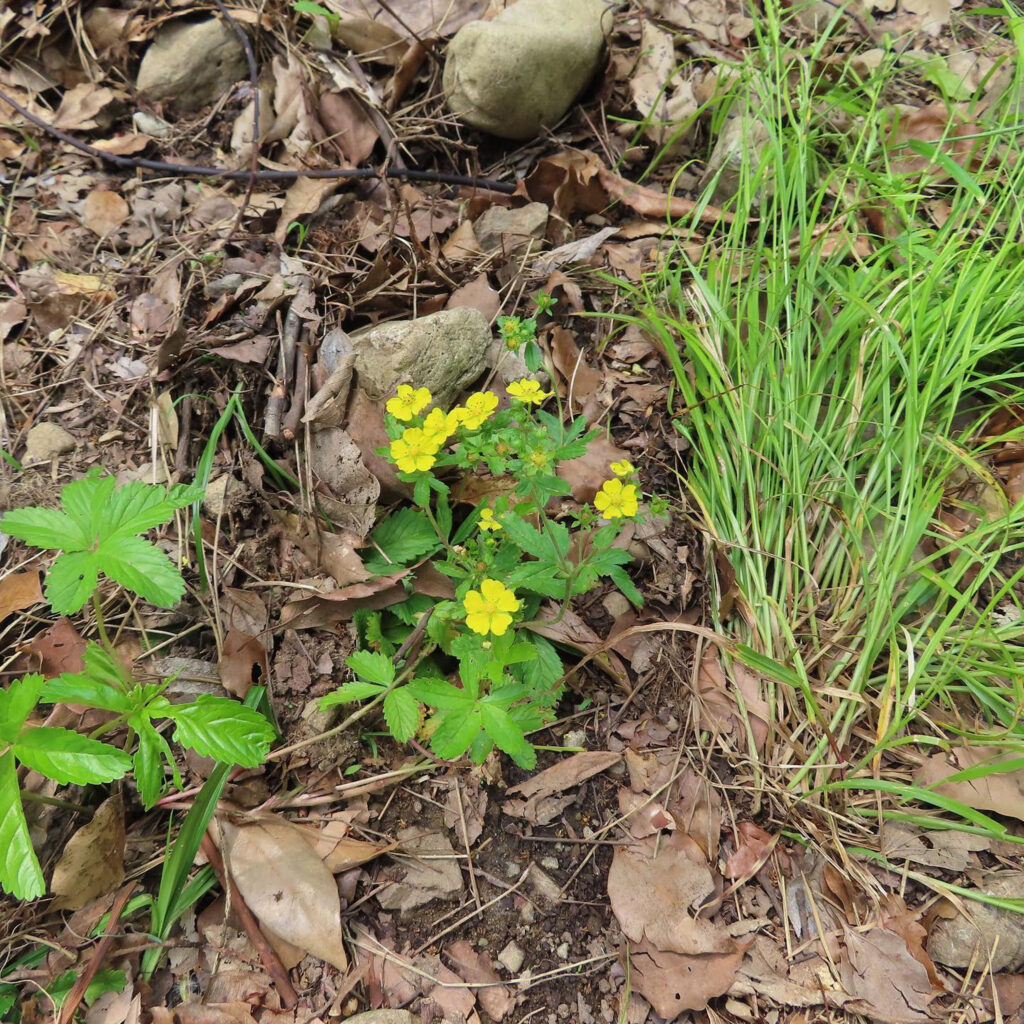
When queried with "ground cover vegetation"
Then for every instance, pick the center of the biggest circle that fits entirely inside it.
(582, 583)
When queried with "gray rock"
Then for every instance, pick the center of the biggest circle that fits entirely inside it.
(523, 70)
(984, 931)
(501, 229)
(512, 957)
(46, 441)
(445, 352)
(192, 63)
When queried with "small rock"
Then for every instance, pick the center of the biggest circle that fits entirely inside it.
(500, 229)
(542, 884)
(192, 63)
(46, 440)
(562, 951)
(149, 124)
(223, 495)
(511, 958)
(988, 931)
(616, 604)
(444, 352)
(575, 738)
(523, 70)
(551, 863)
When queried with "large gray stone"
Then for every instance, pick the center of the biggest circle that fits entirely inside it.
(192, 63)
(523, 70)
(444, 352)
(983, 931)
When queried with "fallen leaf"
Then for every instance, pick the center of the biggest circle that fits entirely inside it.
(92, 863)
(243, 663)
(538, 808)
(718, 709)
(582, 381)
(430, 871)
(334, 606)
(495, 999)
(103, 212)
(349, 126)
(675, 982)
(950, 850)
(586, 474)
(889, 984)
(476, 294)
(566, 627)
(80, 106)
(664, 98)
(19, 590)
(58, 648)
(12, 313)
(287, 886)
(351, 488)
(1000, 791)
(303, 197)
(753, 847)
(371, 39)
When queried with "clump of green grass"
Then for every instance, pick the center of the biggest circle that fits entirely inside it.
(836, 394)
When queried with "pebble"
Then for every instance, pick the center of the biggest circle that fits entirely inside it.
(562, 951)
(512, 957)
(551, 863)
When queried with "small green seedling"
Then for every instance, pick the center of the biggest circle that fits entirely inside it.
(97, 534)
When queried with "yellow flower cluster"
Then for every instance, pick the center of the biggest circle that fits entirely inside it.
(616, 500)
(479, 407)
(490, 609)
(409, 402)
(487, 521)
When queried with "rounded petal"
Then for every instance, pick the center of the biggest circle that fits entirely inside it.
(473, 602)
(479, 622)
(500, 621)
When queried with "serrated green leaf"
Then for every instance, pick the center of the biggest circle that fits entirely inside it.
(405, 537)
(351, 691)
(65, 756)
(402, 713)
(151, 750)
(526, 537)
(99, 685)
(439, 693)
(372, 666)
(142, 568)
(542, 674)
(507, 735)
(619, 577)
(71, 581)
(223, 729)
(137, 507)
(455, 731)
(16, 704)
(539, 577)
(85, 501)
(20, 874)
(43, 528)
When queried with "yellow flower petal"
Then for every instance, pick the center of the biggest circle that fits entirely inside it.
(527, 391)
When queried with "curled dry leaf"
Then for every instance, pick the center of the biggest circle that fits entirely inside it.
(243, 663)
(538, 807)
(753, 848)
(93, 860)
(582, 381)
(879, 971)
(287, 886)
(334, 606)
(495, 999)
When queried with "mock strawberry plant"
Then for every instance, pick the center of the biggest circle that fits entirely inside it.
(96, 532)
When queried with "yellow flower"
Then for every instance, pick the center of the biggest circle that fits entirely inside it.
(527, 391)
(438, 426)
(479, 406)
(616, 500)
(490, 609)
(487, 520)
(414, 451)
(623, 468)
(408, 402)
(538, 459)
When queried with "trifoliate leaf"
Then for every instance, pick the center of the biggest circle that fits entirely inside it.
(507, 735)
(402, 713)
(43, 528)
(351, 691)
(142, 568)
(71, 581)
(65, 756)
(20, 874)
(223, 729)
(372, 666)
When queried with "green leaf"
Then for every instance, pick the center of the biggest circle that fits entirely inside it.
(405, 537)
(20, 874)
(99, 685)
(43, 528)
(223, 729)
(508, 736)
(527, 538)
(71, 581)
(149, 773)
(349, 692)
(619, 577)
(372, 666)
(455, 732)
(439, 693)
(65, 756)
(540, 577)
(402, 713)
(138, 507)
(543, 674)
(85, 502)
(142, 568)
(17, 703)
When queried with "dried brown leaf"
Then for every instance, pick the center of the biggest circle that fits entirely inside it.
(243, 663)
(675, 982)
(879, 971)
(1001, 791)
(582, 381)
(58, 648)
(19, 590)
(287, 886)
(92, 863)
(537, 807)
(586, 474)
(495, 999)
(103, 212)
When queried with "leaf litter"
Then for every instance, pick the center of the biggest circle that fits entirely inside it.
(123, 284)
